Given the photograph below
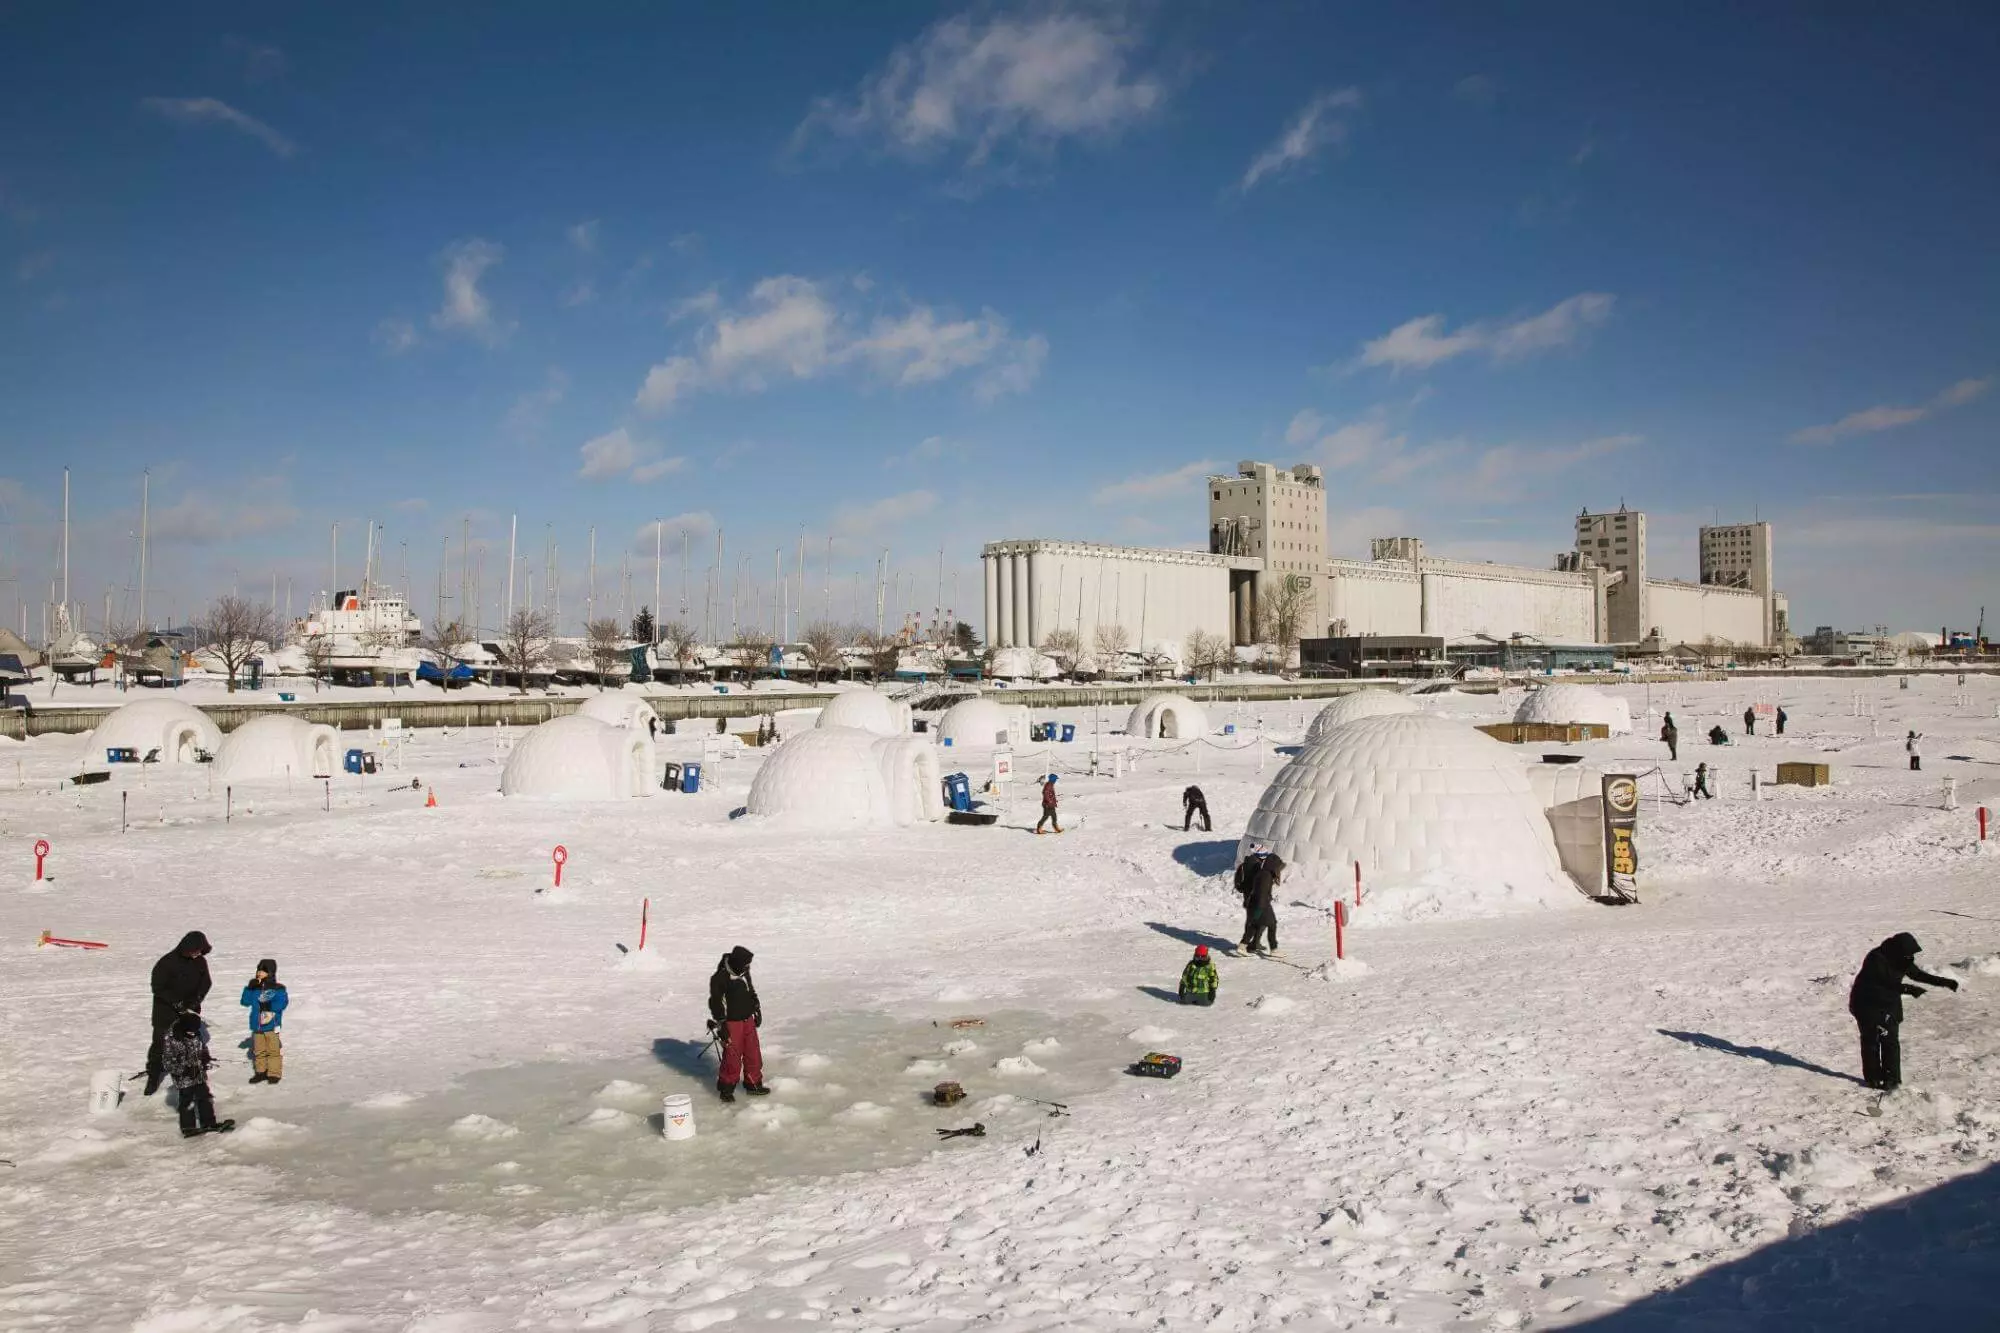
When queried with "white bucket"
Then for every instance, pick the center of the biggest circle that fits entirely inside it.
(677, 1116)
(106, 1086)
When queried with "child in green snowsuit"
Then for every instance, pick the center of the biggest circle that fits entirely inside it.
(1198, 978)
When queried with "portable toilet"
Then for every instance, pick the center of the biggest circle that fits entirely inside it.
(958, 791)
(672, 779)
(690, 778)
(352, 763)
(1069, 731)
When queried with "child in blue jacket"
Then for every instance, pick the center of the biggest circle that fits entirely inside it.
(264, 996)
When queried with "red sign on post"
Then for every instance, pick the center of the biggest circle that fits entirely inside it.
(41, 854)
(1339, 929)
(561, 855)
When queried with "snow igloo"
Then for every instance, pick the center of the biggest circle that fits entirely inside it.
(1563, 704)
(975, 724)
(169, 726)
(1353, 707)
(621, 710)
(1023, 664)
(276, 746)
(866, 710)
(1443, 820)
(1167, 717)
(843, 777)
(580, 758)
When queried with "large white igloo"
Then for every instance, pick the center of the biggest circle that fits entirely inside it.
(866, 710)
(843, 777)
(1563, 703)
(173, 728)
(1353, 707)
(1442, 819)
(1023, 664)
(975, 724)
(1167, 717)
(276, 746)
(620, 709)
(579, 758)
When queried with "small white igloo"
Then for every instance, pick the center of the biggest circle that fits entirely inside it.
(579, 758)
(1443, 820)
(1022, 664)
(1563, 703)
(866, 710)
(1353, 707)
(276, 746)
(843, 777)
(176, 730)
(1167, 717)
(981, 724)
(621, 709)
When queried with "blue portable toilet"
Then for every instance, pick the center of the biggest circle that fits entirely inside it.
(690, 778)
(958, 791)
(353, 761)
(1069, 731)
(1229, 729)
(947, 742)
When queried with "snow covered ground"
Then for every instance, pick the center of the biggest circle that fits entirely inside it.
(1529, 1121)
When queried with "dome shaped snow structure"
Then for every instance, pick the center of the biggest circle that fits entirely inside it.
(621, 710)
(173, 728)
(976, 724)
(1561, 704)
(1022, 664)
(276, 746)
(843, 777)
(579, 758)
(1353, 707)
(1167, 717)
(866, 710)
(1442, 819)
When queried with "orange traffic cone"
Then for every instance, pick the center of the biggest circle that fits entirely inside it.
(431, 802)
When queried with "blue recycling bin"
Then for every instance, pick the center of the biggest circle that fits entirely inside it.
(353, 761)
(690, 778)
(947, 742)
(958, 791)
(1229, 729)
(1069, 731)
(123, 754)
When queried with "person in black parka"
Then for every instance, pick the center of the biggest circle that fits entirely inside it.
(734, 1015)
(1257, 880)
(180, 984)
(1876, 1001)
(1194, 803)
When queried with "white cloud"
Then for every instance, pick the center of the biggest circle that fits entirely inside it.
(997, 87)
(1423, 342)
(851, 520)
(210, 111)
(583, 235)
(1313, 128)
(1505, 470)
(1351, 444)
(930, 449)
(531, 410)
(617, 454)
(792, 330)
(701, 304)
(1182, 481)
(1870, 420)
(395, 336)
(466, 309)
(656, 469)
(211, 514)
(694, 525)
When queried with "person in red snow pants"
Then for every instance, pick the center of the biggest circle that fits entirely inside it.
(734, 1015)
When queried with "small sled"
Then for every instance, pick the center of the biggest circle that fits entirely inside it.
(978, 818)
(1156, 1064)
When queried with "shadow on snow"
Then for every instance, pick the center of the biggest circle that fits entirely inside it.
(1207, 858)
(1764, 1053)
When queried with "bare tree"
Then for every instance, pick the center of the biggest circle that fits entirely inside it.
(1205, 652)
(681, 643)
(1064, 647)
(823, 643)
(524, 643)
(1109, 645)
(1283, 612)
(237, 629)
(440, 646)
(318, 649)
(752, 652)
(884, 653)
(604, 641)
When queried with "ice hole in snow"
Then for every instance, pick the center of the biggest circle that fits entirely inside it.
(276, 746)
(581, 759)
(536, 1141)
(1167, 717)
(173, 728)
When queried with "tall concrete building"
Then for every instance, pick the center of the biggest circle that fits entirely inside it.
(1618, 541)
(1276, 515)
(1738, 555)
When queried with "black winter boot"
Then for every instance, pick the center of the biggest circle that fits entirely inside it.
(726, 1091)
(756, 1089)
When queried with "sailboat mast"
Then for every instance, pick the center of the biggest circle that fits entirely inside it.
(65, 596)
(513, 523)
(145, 486)
(659, 536)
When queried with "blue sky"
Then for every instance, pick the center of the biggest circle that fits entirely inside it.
(921, 277)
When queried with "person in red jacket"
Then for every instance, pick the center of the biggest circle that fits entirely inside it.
(734, 1015)
(1049, 805)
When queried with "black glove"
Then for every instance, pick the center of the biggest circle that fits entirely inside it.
(715, 1029)
(757, 1020)
(1949, 983)
(1914, 992)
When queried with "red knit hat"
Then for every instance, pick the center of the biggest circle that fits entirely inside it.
(1201, 951)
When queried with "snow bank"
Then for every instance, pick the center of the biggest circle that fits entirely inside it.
(982, 724)
(1576, 703)
(867, 710)
(1167, 717)
(620, 710)
(167, 725)
(1354, 707)
(842, 777)
(580, 759)
(276, 746)
(1442, 819)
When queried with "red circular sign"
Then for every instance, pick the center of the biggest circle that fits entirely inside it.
(562, 853)
(41, 847)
